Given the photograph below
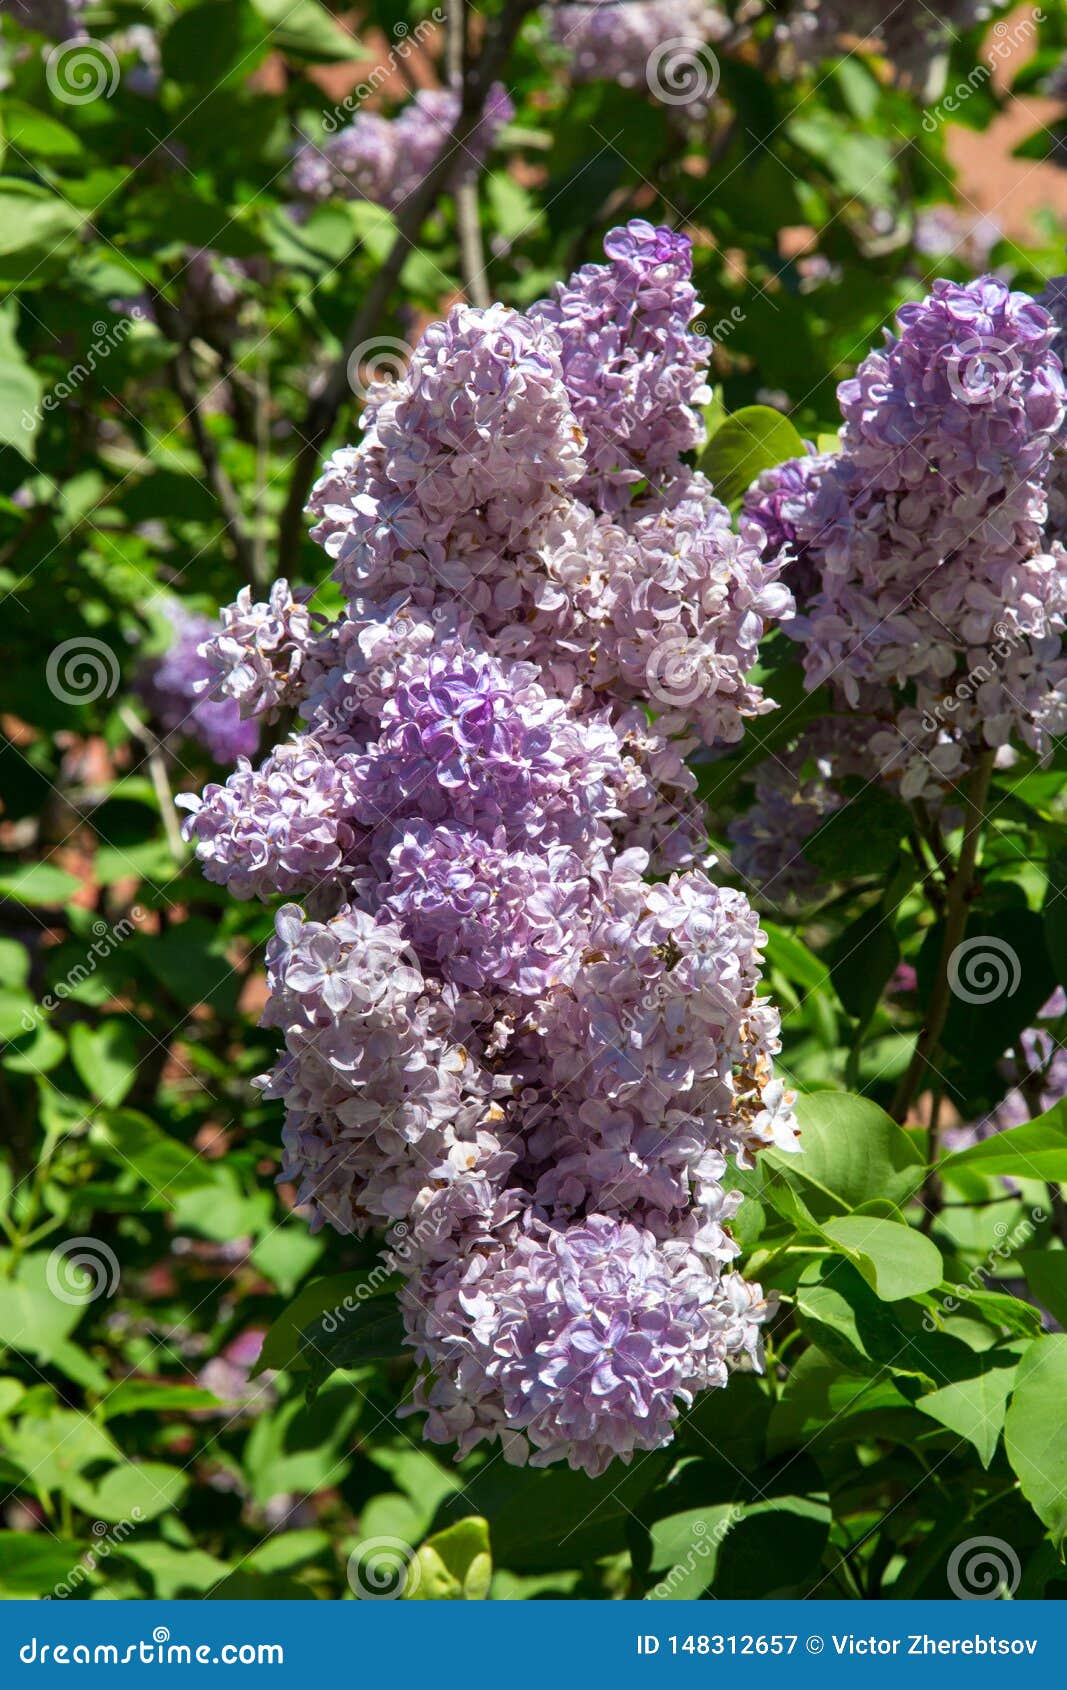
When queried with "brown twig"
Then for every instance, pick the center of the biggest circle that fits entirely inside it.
(324, 406)
(225, 493)
(468, 219)
(158, 771)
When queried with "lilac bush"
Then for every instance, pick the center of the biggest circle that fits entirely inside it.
(501, 1033)
(932, 595)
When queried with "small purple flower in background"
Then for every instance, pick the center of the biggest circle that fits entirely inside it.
(173, 689)
(384, 159)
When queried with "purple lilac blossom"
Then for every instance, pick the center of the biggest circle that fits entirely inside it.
(503, 1038)
(633, 368)
(618, 43)
(934, 577)
(384, 159)
(60, 20)
(176, 689)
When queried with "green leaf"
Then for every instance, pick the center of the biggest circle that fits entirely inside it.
(1036, 1150)
(106, 1058)
(453, 1565)
(33, 1318)
(135, 1143)
(1033, 1431)
(860, 164)
(1054, 914)
(852, 1152)
(302, 1447)
(39, 883)
(975, 1408)
(354, 1335)
(285, 1254)
(35, 132)
(1002, 977)
(174, 1572)
(751, 440)
(1045, 1271)
(136, 1396)
(304, 30)
(286, 1344)
(213, 42)
(36, 229)
(861, 838)
(863, 958)
(135, 1491)
(895, 1260)
(33, 1563)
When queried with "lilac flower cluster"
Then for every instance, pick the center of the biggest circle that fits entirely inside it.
(59, 20)
(632, 43)
(503, 1037)
(932, 597)
(384, 159)
(177, 690)
(913, 36)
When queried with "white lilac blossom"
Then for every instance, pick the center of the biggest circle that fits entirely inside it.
(260, 653)
(384, 159)
(930, 577)
(177, 689)
(500, 1029)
